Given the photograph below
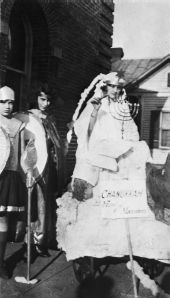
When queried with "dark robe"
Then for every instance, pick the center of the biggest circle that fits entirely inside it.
(49, 187)
(55, 164)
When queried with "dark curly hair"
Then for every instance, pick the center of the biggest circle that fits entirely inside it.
(45, 88)
(41, 87)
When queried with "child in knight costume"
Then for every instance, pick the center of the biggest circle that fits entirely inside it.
(52, 181)
(12, 188)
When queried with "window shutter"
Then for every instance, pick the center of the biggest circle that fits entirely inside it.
(154, 129)
(168, 80)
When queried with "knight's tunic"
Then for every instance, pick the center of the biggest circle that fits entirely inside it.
(12, 189)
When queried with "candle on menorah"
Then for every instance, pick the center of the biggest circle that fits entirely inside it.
(124, 110)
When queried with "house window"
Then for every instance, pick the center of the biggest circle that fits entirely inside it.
(164, 139)
(160, 129)
(168, 82)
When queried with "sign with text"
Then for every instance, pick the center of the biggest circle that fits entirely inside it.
(124, 199)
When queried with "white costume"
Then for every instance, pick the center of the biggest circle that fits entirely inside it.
(112, 153)
(111, 144)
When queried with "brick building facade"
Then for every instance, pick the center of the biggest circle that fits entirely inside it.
(63, 42)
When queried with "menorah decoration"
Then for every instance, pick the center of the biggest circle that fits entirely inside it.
(124, 110)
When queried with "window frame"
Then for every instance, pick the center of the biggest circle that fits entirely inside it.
(160, 129)
(168, 80)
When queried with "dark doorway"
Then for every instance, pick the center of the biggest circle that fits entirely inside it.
(28, 49)
(16, 55)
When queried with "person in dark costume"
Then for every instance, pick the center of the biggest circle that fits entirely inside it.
(12, 188)
(51, 183)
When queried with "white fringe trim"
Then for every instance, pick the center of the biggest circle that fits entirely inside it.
(11, 208)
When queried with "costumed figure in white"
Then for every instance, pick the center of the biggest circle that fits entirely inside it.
(108, 138)
(12, 188)
(109, 150)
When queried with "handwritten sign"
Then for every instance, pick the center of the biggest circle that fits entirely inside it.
(124, 199)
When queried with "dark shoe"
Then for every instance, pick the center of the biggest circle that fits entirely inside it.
(42, 251)
(4, 273)
(53, 245)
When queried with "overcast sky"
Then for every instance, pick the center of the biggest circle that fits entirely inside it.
(142, 28)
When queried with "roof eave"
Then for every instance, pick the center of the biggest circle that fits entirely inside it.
(149, 72)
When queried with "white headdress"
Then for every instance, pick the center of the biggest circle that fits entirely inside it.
(99, 81)
(7, 93)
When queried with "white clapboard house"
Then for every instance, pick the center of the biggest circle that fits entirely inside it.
(148, 80)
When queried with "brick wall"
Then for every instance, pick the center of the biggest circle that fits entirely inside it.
(71, 45)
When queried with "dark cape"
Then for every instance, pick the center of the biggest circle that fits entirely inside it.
(56, 161)
(51, 183)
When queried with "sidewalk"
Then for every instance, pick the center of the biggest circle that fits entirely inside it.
(57, 279)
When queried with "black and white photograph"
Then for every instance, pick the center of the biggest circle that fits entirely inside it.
(84, 149)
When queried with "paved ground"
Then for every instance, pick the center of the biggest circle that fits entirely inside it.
(57, 279)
